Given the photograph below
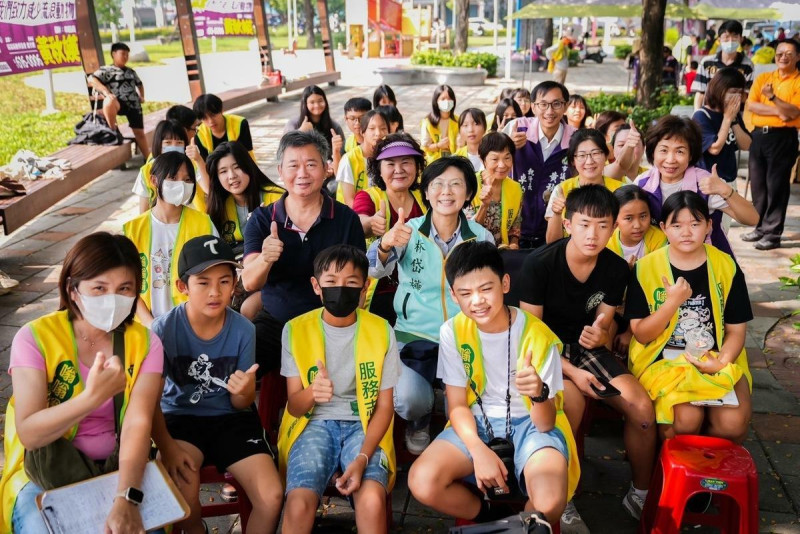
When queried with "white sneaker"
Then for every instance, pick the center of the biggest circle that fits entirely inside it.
(417, 440)
(633, 504)
(571, 521)
(6, 283)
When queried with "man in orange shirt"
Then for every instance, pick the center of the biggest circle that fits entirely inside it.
(775, 102)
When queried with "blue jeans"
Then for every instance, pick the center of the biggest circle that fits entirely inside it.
(26, 517)
(413, 398)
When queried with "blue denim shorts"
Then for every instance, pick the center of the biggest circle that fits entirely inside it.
(327, 446)
(526, 439)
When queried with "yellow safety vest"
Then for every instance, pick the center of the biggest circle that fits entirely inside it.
(567, 186)
(233, 127)
(307, 342)
(192, 224)
(671, 382)
(231, 231)
(539, 340)
(199, 200)
(654, 239)
(350, 143)
(55, 338)
(510, 204)
(358, 163)
(433, 133)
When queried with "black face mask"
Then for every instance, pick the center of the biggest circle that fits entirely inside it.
(341, 301)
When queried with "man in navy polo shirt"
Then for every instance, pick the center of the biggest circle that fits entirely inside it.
(281, 241)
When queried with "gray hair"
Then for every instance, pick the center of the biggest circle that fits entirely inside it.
(298, 139)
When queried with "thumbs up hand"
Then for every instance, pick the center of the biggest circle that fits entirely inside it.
(595, 335)
(243, 382)
(322, 387)
(713, 184)
(634, 137)
(192, 152)
(306, 125)
(272, 247)
(400, 233)
(678, 292)
(528, 381)
(378, 221)
(336, 142)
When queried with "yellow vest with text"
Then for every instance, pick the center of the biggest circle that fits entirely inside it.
(233, 127)
(55, 338)
(433, 133)
(671, 382)
(654, 239)
(307, 341)
(199, 200)
(232, 232)
(139, 230)
(539, 340)
(358, 163)
(510, 204)
(350, 143)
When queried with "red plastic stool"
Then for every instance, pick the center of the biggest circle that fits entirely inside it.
(697, 464)
(241, 506)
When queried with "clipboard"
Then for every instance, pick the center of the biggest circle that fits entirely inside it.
(84, 506)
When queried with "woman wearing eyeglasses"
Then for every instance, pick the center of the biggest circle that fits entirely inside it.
(587, 154)
(418, 249)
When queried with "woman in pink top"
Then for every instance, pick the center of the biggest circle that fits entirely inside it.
(65, 376)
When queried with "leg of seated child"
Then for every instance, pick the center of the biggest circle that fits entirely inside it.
(189, 485)
(435, 479)
(731, 422)
(259, 478)
(370, 507)
(312, 461)
(687, 419)
(546, 483)
(574, 404)
(640, 428)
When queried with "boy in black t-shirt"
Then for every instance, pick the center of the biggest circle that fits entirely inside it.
(574, 286)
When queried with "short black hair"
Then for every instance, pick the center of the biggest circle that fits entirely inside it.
(185, 116)
(437, 168)
(167, 165)
(723, 80)
(681, 200)
(545, 87)
(339, 256)
(357, 104)
(120, 46)
(477, 115)
(733, 27)
(495, 142)
(367, 117)
(473, 256)
(629, 193)
(586, 134)
(393, 115)
(672, 126)
(383, 91)
(694, 64)
(167, 129)
(593, 201)
(206, 105)
(605, 119)
(792, 42)
(500, 111)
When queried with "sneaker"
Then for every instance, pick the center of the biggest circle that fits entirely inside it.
(633, 504)
(417, 440)
(571, 521)
(6, 283)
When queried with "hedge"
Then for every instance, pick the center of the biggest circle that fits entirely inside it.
(445, 58)
(668, 98)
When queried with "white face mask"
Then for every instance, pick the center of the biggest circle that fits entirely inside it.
(729, 47)
(176, 193)
(445, 105)
(106, 312)
(173, 148)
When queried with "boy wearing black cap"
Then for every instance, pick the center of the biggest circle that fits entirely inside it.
(209, 387)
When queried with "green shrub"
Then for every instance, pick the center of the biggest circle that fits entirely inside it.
(574, 58)
(671, 37)
(445, 58)
(622, 51)
(140, 33)
(668, 97)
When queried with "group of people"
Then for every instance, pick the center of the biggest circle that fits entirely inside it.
(376, 270)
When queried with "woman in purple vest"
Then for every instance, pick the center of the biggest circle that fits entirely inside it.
(673, 146)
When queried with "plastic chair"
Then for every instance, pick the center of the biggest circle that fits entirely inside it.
(691, 465)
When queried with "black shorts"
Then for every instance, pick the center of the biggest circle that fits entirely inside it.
(268, 342)
(135, 117)
(600, 361)
(223, 439)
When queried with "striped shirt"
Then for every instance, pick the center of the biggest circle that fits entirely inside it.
(711, 64)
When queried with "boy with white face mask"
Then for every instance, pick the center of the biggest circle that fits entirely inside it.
(730, 38)
(160, 232)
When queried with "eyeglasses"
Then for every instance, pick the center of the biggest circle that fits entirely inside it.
(596, 155)
(352, 119)
(440, 186)
(558, 105)
(785, 54)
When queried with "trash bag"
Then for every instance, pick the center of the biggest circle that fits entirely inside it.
(94, 130)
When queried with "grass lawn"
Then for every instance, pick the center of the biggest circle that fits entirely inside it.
(24, 127)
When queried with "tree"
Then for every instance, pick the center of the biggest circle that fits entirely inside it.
(108, 11)
(651, 58)
(462, 26)
(309, 12)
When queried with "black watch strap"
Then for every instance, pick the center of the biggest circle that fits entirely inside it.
(544, 395)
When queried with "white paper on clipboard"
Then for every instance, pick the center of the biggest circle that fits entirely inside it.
(84, 507)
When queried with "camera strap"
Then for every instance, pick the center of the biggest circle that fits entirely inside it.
(486, 422)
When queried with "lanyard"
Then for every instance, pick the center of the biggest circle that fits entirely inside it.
(486, 423)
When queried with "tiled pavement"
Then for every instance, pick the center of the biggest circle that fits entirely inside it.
(33, 255)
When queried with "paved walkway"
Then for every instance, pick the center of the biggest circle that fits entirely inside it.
(33, 255)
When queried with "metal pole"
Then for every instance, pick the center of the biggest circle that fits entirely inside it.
(289, 23)
(496, 25)
(49, 93)
(510, 9)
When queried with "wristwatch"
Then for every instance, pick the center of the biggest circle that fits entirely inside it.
(772, 98)
(132, 495)
(543, 396)
(380, 246)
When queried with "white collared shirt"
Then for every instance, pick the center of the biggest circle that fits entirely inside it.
(549, 146)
